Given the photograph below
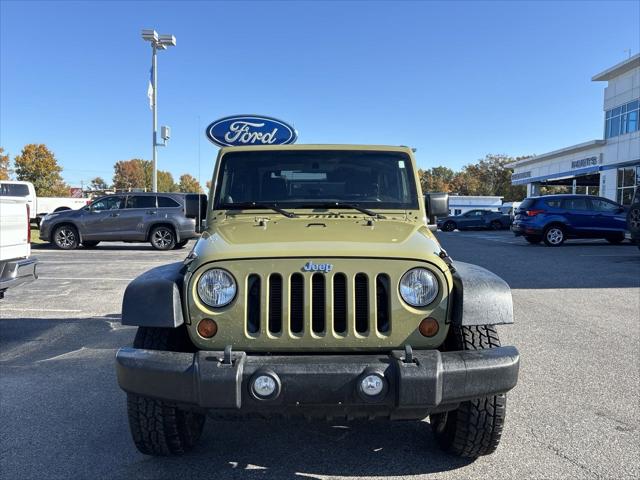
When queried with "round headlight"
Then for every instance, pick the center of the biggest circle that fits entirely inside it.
(418, 287)
(216, 287)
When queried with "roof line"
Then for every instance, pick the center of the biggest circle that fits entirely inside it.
(618, 69)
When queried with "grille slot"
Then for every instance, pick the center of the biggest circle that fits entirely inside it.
(361, 293)
(383, 303)
(296, 303)
(318, 303)
(340, 303)
(275, 303)
(253, 304)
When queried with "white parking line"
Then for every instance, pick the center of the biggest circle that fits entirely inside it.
(86, 279)
(59, 310)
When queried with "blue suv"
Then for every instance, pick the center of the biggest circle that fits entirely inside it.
(556, 218)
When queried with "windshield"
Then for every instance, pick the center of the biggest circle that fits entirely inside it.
(308, 178)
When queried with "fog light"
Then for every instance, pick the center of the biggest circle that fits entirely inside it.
(372, 385)
(429, 327)
(207, 328)
(264, 386)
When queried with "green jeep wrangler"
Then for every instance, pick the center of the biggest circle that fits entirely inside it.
(318, 290)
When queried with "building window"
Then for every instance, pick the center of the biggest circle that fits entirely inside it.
(623, 119)
(628, 178)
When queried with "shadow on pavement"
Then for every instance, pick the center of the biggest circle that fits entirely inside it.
(295, 449)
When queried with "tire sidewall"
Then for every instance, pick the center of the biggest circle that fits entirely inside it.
(71, 236)
(554, 236)
(449, 227)
(159, 244)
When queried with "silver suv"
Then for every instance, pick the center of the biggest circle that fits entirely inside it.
(166, 220)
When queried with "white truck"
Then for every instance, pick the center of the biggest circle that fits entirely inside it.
(39, 206)
(16, 266)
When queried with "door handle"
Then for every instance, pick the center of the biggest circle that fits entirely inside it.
(114, 215)
(151, 212)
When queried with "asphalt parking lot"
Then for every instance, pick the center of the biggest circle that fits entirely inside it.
(574, 414)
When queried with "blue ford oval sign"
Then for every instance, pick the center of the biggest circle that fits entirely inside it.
(239, 130)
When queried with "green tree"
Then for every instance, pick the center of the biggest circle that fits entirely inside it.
(4, 165)
(98, 183)
(129, 174)
(490, 176)
(437, 179)
(38, 165)
(137, 173)
(165, 182)
(188, 184)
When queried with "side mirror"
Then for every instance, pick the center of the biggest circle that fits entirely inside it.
(437, 205)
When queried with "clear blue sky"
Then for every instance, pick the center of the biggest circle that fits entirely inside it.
(456, 80)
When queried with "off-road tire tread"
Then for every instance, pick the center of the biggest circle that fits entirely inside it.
(475, 428)
(162, 428)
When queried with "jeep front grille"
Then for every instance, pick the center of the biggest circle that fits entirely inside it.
(353, 294)
(280, 307)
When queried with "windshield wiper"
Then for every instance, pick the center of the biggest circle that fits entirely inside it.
(269, 206)
(354, 206)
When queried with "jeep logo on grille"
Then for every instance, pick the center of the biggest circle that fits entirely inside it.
(317, 267)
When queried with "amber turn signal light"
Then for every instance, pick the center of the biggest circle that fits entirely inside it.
(207, 328)
(429, 327)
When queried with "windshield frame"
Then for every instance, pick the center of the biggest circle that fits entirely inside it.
(307, 204)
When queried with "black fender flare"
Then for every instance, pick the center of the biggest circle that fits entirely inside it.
(154, 299)
(480, 297)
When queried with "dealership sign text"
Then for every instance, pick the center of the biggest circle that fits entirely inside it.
(238, 130)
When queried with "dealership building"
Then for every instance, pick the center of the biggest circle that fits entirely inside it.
(609, 167)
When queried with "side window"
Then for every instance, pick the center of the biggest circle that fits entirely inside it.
(107, 203)
(141, 201)
(553, 203)
(167, 202)
(575, 204)
(600, 205)
(14, 190)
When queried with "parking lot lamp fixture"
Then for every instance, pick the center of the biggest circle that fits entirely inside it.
(158, 42)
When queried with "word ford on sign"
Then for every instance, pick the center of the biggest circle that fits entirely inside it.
(238, 130)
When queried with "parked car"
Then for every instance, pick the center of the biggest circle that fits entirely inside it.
(633, 217)
(166, 220)
(481, 219)
(16, 266)
(39, 206)
(556, 218)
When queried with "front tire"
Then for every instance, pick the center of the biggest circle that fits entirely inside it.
(475, 427)
(496, 225)
(162, 238)
(448, 227)
(554, 236)
(66, 237)
(158, 427)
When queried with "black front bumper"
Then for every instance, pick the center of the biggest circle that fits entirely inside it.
(319, 385)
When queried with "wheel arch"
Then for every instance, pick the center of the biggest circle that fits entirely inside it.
(62, 223)
(162, 223)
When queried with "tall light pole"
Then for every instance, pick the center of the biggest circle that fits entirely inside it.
(158, 42)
